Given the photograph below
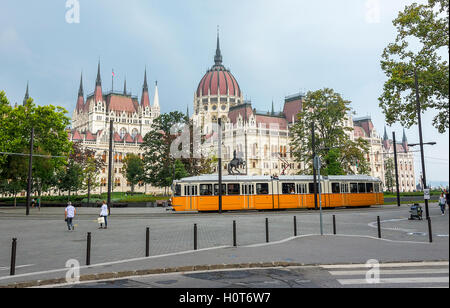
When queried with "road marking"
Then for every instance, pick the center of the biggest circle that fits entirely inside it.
(392, 272)
(393, 265)
(396, 280)
(4, 268)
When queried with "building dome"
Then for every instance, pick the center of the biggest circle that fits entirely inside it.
(218, 80)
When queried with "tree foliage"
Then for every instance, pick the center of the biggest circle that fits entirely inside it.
(133, 170)
(156, 146)
(422, 35)
(329, 112)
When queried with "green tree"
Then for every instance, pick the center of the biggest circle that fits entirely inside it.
(133, 170)
(156, 146)
(329, 112)
(422, 35)
(50, 139)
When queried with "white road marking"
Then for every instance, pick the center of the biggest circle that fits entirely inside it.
(396, 280)
(392, 272)
(393, 265)
(4, 268)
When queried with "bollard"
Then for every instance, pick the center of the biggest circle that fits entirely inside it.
(195, 236)
(430, 232)
(234, 234)
(379, 226)
(147, 243)
(13, 257)
(295, 225)
(267, 230)
(334, 225)
(88, 249)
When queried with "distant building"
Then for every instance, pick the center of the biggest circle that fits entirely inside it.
(405, 161)
(132, 121)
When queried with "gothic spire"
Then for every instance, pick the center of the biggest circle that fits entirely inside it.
(80, 91)
(98, 81)
(125, 87)
(27, 96)
(385, 134)
(218, 56)
(145, 87)
(273, 109)
(404, 140)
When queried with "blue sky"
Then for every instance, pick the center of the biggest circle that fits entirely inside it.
(273, 48)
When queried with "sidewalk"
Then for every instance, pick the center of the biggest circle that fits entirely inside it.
(301, 250)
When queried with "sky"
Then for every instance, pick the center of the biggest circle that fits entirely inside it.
(273, 48)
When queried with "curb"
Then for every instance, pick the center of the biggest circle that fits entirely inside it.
(182, 269)
(116, 275)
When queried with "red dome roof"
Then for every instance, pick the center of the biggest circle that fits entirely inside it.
(217, 81)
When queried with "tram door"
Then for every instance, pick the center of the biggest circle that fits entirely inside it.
(248, 191)
(191, 192)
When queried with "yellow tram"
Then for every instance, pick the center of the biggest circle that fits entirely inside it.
(268, 193)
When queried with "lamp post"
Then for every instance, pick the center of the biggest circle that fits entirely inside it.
(220, 164)
(396, 169)
(419, 119)
(317, 165)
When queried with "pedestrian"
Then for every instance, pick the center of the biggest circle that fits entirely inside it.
(447, 197)
(38, 202)
(442, 202)
(32, 203)
(69, 215)
(104, 213)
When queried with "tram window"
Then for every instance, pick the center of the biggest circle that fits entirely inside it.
(344, 188)
(335, 188)
(234, 189)
(301, 188)
(262, 189)
(354, 188)
(288, 188)
(369, 187)
(177, 192)
(377, 187)
(216, 189)
(311, 188)
(361, 187)
(206, 190)
(186, 190)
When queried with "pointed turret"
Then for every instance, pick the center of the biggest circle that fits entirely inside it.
(145, 99)
(98, 81)
(125, 87)
(187, 112)
(273, 109)
(27, 96)
(156, 99)
(405, 141)
(98, 95)
(80, 101)
(218, 56)
(386, 143)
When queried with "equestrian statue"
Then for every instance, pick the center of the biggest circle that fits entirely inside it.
(235, 164)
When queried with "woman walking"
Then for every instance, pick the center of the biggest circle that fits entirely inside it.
(104, 213)
(442, 203)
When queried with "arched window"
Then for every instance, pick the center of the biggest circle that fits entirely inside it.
(134, 133)
(123, 132)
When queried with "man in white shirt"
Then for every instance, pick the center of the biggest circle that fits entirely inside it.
(69, 214)
(104, 213)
